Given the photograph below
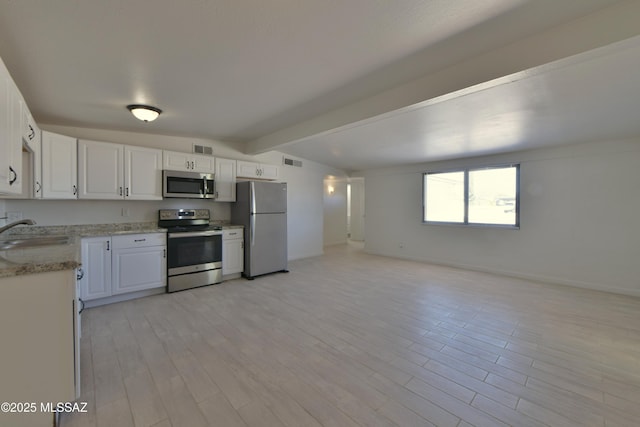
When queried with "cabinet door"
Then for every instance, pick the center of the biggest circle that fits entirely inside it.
(29, 127)
(269, 171)
(142, 173)
(232, 256)
(137, 269)
(59, 166)
(5, 148)
(95, 253)
(10, 135)
(175, 161)
(248, 169)
(15, 139)
(204, 164)
(35, 145)
(100, 170)
(225, 180)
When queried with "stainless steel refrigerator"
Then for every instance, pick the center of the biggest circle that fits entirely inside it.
(262, 208)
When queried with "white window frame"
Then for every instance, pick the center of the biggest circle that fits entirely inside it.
(465, 221)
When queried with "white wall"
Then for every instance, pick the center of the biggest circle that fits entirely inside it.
(579, 209)
(305, 194)
(335, 211)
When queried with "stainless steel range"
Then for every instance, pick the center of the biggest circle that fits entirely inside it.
(194, 248)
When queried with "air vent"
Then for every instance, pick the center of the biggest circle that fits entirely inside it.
(203, 149)
(292, 162)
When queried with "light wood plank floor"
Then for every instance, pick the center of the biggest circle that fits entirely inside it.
(350, 339)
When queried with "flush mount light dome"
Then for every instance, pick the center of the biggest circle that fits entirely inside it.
(146, 113)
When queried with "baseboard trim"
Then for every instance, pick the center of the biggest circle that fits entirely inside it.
(516, 274)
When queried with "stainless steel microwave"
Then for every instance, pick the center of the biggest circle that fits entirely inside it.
(188, 185)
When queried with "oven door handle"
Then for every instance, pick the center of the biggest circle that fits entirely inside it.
(194, 234)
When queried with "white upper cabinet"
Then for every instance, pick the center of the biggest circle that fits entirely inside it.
(11, 104)
(173, 160)
(142, 173)
(32, 138)
(115, 171)
(59, 166)
(253, 170)
(30, 130)
(100, 170)
(225, 180)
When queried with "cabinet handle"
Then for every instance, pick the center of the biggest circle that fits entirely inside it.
(79, 274)
(139, 240)
(15, 176)
(188, 164)
(164, 253)
(127, 194)
(107, 245)
(75, 190)
(38, 187)
(32, 134)
(193, 165)
(242, 245)
(121, 191)
(82, 306)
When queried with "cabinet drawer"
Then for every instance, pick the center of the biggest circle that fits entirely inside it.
(138, 240)
(234, 233)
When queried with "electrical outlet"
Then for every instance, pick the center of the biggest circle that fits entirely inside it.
(400, 245)
(14, 216)
(125, 211)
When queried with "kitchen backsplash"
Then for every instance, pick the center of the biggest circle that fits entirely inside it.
(69, 212)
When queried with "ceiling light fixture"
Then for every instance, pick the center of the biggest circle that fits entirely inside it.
(146, 113)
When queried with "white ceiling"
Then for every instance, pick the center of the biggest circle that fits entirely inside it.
(594, 96)
(242, 70)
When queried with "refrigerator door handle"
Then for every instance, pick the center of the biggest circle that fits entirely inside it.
(253, 229)
(252, 197)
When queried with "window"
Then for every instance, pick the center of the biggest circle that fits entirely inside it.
(487, 196)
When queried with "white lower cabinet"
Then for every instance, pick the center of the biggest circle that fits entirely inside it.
(139, 262)
(38, 344)
(232, 251)
(95, 277)
(117, 265)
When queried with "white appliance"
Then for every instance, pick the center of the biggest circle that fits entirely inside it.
(262, 208)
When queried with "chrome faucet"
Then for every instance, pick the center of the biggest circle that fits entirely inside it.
(13, 224)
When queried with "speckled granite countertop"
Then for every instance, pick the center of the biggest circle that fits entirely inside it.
(87, 230)
(41, 259)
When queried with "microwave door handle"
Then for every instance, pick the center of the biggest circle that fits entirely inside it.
(204, 182)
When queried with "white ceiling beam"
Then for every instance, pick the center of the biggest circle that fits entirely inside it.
(598, 29)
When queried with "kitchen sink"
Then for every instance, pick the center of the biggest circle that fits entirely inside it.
(33, 242)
